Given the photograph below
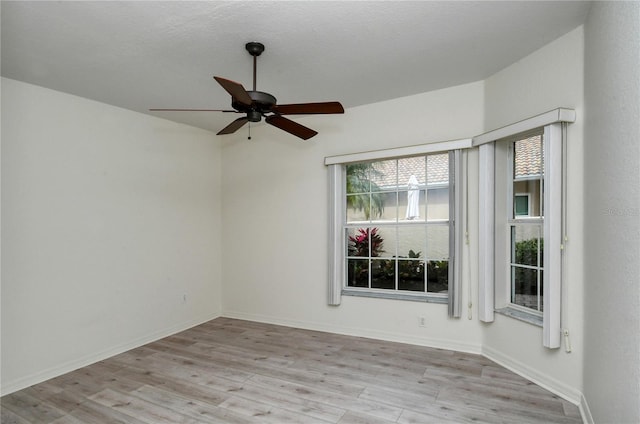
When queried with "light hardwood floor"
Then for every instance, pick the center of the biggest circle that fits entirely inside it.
(233, 371)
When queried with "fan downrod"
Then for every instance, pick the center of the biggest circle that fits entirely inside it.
(254, 48)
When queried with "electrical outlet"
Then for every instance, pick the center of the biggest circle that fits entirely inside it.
(422, 321)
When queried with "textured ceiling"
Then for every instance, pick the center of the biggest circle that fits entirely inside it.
(146, 54)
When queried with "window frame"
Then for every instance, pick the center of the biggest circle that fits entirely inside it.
(337, 209)
(514, 220)
(397, 224)
(492, 261)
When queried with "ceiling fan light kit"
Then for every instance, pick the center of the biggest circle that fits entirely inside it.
(258, 104)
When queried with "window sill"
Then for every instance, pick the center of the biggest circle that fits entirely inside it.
(399, 221)
(396, 296)
(520, 315)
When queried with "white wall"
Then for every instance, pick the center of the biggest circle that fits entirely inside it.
(275, 195)
(549, 78)
(109, 218)
(612, 212)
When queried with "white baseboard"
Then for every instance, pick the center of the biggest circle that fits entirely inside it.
(60, 369)
(359, 332)
(587, 418)
(545, 381)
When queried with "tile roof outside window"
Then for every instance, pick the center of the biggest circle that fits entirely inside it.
(528, 160)
(528, 163)
(437, 171)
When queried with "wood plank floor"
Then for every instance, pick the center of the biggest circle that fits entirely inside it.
(233, 371)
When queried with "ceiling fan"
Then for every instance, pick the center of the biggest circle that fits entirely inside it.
(257, 104)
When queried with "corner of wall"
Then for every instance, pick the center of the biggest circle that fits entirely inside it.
(612, 206)
(585, 412)
(548, 78)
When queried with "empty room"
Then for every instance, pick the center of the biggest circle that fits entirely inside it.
(320, 212)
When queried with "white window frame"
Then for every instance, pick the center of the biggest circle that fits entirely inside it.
(490, 260)
(512, 220)
(337, 209)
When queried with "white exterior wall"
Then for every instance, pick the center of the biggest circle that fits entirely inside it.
(612, 212)
(548, 78)
(275, 196)
(109, 218)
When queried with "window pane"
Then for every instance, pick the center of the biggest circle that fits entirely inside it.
(527, 177)
(528, 172)
(411, 171)
(385, 241)
(437, 276)
(384, 175)
(526, 198)
(411, 178)
(358, 178)
(358, 272)
(363, 198)
(363, 207)
(524, 242)
(411, 205)
(525, 287)
(412, 241)
(384, 206)
(438, 242)
(437, 258)
(528, 158)
(358, 207)
(438, 169)
(521, 205)
(358, 240)
(438, 203)
(383, 274)
(411, 274)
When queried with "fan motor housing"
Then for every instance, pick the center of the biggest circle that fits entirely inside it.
(261, 103)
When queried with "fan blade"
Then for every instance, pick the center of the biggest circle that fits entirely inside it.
(236, 90)
(308, 108)
(234, 126)
(192, 110)
(291, 127)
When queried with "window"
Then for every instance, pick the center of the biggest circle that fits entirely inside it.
(522, 219)
(397, 225)
(525, 223)
(521, 204)
(392, 224)
(528, 248)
